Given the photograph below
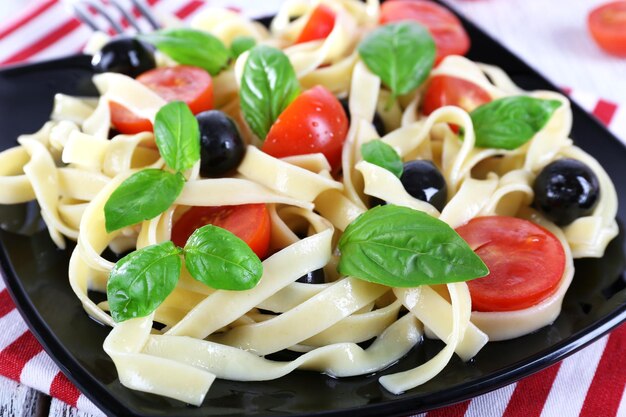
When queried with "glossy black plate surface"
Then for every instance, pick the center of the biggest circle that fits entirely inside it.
(36, 275)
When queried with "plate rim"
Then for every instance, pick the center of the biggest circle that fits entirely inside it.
(110, 405)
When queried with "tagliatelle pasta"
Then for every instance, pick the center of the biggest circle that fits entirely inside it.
(71, 168)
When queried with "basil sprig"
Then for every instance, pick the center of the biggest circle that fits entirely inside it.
(190, 47)
(401, 247)
(142, 280)
(142, 196)
(510, 122)
(401, 54)
(379, 153)
(221, 260)
(177, 135)
(147, 193)
(241, 44)
(139, 282)
(268, 85)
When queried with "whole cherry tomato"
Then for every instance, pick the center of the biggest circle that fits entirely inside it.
(314, 122)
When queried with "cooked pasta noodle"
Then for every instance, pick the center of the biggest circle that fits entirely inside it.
(71, 168)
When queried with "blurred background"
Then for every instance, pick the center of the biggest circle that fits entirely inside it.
(552, 36)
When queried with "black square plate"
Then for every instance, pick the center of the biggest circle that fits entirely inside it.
(36, 275)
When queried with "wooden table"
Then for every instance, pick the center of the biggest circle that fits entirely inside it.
(17, 400)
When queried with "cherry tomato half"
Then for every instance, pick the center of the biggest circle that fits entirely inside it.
(607, 24)
(189, 84)
(319, 25)
(125, 121)
(314, 122)
(447, 31)
(444, 90)
(525, 261)
(249, 222)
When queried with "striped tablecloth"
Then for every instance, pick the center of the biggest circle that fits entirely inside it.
(589, 383)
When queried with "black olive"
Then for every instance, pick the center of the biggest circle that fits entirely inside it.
(565, 190)
(221, 147)
(125, 55)
(313, 277)
(113, 132)
(378, 123)
(375, 201)
(423, 181)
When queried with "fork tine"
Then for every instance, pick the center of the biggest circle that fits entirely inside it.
(147, 13)
(83, 16)
(114, 24)
(127, 15)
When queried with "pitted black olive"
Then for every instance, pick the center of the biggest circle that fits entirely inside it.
(313, 277)
(565, 190)
(422, 180)
(221, 146)
(125, 55)
(378, 123)
(375, 201)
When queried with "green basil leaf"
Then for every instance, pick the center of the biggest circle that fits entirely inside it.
(140, 281)
(241, 44)
(177, 135)
(191, 47)
(510, 122)
(379, 153)
(402, 247)
(221, 260)
(142, 196)
(268, 86)
(401, 54)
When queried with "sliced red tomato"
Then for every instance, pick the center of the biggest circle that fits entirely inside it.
(192, 85)
(249, 222)
(319, 25)
(444, 90)
(525, 261)
(314, 122)
(607, 24)
(446, 29)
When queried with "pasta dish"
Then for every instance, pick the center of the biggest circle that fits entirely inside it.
(341, 184)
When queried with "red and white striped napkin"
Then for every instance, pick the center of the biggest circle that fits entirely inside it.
(589, 383)
(22, 359)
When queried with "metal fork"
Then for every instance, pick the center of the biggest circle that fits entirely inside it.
(85, 15)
